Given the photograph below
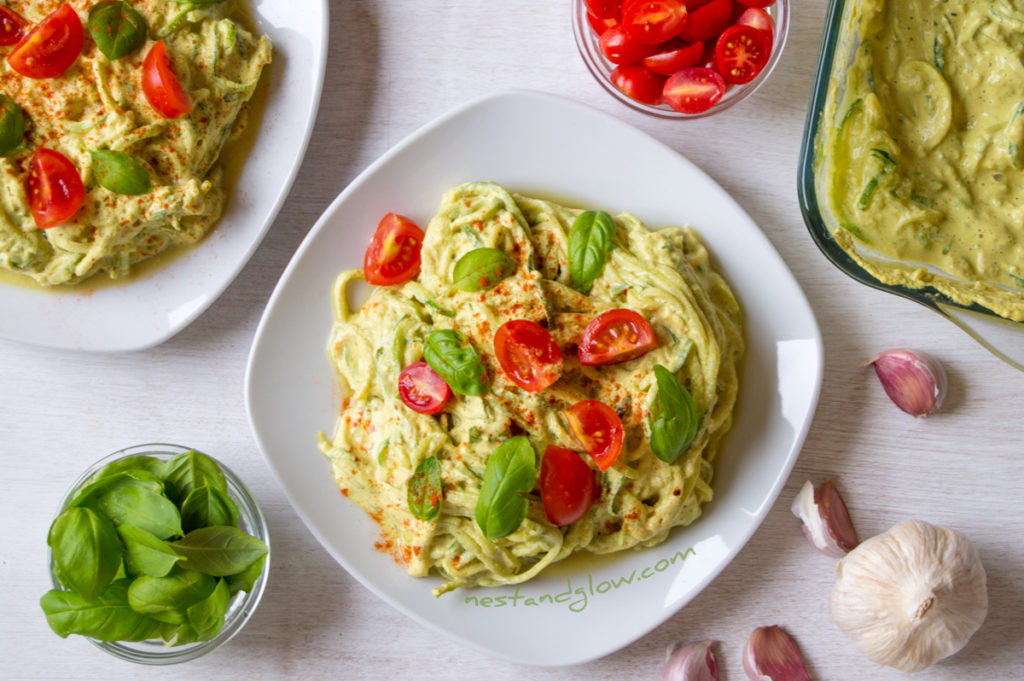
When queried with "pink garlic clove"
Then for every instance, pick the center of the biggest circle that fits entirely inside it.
(826, 520)
(693, 662)
(770, 654)
(915, 381)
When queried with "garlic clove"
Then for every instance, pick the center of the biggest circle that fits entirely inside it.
(826, 521)
(770, 654)
(915, 381)
(693, 662)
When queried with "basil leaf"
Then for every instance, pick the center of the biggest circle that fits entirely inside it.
(206, 506)
(12, 125)
(106, 618)
(120, 173)
(450, 354)
(425, 489)
(178, 634)
(189, 471)
(482, 269)
(246, 579)
(673, 419)
(148, 464)
(218, 550)
(117, 28)
(88, 492)
(133, 502)
(168, 598)
(590, 244)
(146, 554)
(511, 471)
(207, 616)
(85, 550)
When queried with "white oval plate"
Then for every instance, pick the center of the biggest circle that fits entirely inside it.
(534, 142)
(150, 308)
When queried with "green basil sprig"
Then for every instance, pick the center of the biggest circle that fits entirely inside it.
(452, 356)
(511, 472)
(120, 173)
(205, 506)
(167, 599)
(85, 550)
(107, 618)
(117, 28)
(590, 244)
(482, 269)
(426, 490)
(187, 472)
(12, 125)
(145, 553)
(219, 550)
(673, 419)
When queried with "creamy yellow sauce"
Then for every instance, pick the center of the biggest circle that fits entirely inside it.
(922, 155)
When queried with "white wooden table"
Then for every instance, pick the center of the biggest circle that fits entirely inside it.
(393, 66)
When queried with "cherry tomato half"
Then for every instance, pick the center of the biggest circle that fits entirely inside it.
(567, 485)
(393, 256)
(604, 9)
(679, 56)
(599, 429)
(694, 90)
(759, 19)
(639, 83)
(599, 26)
(708, 21)
(528, 355)
(654, 21)
(49, 49)
(161, 85)
(619, 47)
(422, 389)
(12, 26)
(756, 3)
(616, 336)
(741, 53)
(54, 188)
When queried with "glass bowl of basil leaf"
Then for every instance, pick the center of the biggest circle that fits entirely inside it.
(158, 555)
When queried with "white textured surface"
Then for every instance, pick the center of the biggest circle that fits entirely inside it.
(393, 66)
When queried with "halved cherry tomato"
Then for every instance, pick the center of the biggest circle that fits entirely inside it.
(623, 49)
(676, 57)
(694, 90)
(616, 336)
(741, 53)
(599, 26)
(599, 430)
(756, 3)
(393, 256)
(49, 49)
(54, 188)
(161, 85)
(422, 389)
(654, 21)
(759, 19)
(528, 355)
(12, 26)
(567, 485)
(708, 21)
(639, 83)
(604, 9)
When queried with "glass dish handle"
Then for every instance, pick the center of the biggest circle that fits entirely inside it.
(1003, 338)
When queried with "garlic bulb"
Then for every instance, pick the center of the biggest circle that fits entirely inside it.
(911, 596)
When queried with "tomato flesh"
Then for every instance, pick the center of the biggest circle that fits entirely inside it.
(654, 21)
(599, 429)
(49, 49)
(694, 90)
(677, 57)
(741, 53)
(639, 83)
(12, 26)
(161, 85)
(604, 9)
(599, 26)
(758, 19)
(528, 355)
(422, 389)
(708, 21)
(616, 336)
(393, 256)
(567, 485)
(54, 188)
(621, 48)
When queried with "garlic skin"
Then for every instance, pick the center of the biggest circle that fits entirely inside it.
(770, 654)
(826, 521)
(911, 596)
(692, 662)
(914, 381)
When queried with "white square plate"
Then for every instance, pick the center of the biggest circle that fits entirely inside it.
(534, 142)
(150, 308)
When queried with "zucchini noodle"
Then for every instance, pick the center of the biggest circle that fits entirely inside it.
(665, 275)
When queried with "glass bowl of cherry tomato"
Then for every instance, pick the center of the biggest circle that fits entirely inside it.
(680, 58)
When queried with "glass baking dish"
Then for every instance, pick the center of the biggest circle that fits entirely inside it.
(1001, 336)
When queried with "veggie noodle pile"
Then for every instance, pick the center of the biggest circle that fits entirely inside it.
(379, 443)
